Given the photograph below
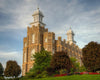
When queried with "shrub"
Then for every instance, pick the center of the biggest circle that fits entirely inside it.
(50, 71)
(2, 78)
(42, 75)
(62, 71)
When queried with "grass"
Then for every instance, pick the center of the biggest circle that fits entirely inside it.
(73, 77)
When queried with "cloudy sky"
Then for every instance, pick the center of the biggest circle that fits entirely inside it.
(15, 16)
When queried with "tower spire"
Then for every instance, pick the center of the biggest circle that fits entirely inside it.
(38, 18)
(70, 36)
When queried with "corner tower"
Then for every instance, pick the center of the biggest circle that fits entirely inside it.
(70, 36)
(33, 42)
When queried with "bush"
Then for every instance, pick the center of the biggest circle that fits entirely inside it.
(2, 78)
(50, 71)
(42, 75)
(62, 71)
(72, 70)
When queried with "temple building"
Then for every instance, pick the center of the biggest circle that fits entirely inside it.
(38, 37)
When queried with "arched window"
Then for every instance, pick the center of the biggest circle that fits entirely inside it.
(32, 52)
(33, 38)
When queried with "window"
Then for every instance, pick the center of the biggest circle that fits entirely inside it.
(32, 52)
(53, 51)
(45, 39)
(24, 57)
(53, 41)
(25, 44)
(33, 38)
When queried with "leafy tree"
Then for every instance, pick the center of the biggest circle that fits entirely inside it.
(75, 64)
(60, 60)
(91, 56)
(1, 69)
(82, 68)
(42, 61)
(12, 69)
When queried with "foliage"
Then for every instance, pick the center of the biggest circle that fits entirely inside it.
(63, 71)
(2, 78)
(60, 60)
(72, 70)
(42, 61)
(82, 68)
(91, 56)
(50, 71)
(12, 69)
(42, 75)
(1, 69)
(75, 65)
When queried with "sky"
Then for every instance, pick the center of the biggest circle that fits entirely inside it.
(83, 16)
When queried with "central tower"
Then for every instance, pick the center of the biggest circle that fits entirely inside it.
(38, 18)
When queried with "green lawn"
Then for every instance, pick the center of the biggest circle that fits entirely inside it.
(73, 77)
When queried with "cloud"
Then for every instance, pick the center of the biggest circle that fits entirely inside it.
(14, 55)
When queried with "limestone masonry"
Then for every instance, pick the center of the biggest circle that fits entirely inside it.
(38, 37)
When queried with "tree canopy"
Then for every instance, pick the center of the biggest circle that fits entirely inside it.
(42, 61)
(60, 60)
(1, 69)
(91, 56)
(12, 69)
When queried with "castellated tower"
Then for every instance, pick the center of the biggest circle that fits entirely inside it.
(38, 37)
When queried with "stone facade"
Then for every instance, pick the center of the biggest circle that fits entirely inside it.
(38, 37)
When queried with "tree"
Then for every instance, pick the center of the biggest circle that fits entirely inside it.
(42, 61)
(91, 56)
(75, 64)
(12, 69)
(1, 69)
(60, 60)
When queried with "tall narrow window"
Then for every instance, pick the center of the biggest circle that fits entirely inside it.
(33, 38)
(53, 51)
(32, 52)
(24, 57)
(25, 44)
(45, 39)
